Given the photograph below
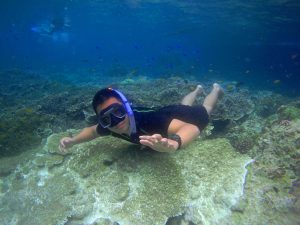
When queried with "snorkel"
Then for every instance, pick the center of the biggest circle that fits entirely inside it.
(129, 111)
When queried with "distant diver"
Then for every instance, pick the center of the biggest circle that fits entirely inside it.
(56, 29)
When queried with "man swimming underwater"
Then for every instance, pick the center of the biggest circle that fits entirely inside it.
(56, 29)
(164, 130)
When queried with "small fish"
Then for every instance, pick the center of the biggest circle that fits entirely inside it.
(230, 87)
(238, 84)
(247, 60)
(247, 71)
(288, 75)
(276, 81)
(132, 73)
(137, 46)
(294, 56)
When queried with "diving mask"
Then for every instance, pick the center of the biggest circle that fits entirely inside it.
(112, 115)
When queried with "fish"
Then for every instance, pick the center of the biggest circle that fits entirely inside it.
(276, 81)
(294, 56)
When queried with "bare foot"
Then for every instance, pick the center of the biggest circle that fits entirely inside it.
(199, 89)
(217, 87)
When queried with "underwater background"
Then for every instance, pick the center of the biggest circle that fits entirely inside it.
(252, 42)
(245, 167)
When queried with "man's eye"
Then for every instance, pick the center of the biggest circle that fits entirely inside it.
(118, 112)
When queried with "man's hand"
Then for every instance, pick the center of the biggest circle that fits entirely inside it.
(64, 144)
(158, 143)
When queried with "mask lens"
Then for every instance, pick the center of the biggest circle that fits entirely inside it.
(105, 121)
(119, 112)
(111, 115)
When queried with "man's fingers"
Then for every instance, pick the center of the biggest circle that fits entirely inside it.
(157, 136)
(154, 139)
(146, 142)
(61, 145)
(144, 137)
(147, 138)
(61, 149)
(164, 141)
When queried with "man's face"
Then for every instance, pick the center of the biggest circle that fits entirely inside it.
(123, 126)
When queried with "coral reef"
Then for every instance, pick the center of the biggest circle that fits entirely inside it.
(272, 189)
(287, 112)
(234, 106)
(157, 93)
(267, 103)
(19, 131)
(135, 187)
(244, 136)
(109, 182)
(34, 107)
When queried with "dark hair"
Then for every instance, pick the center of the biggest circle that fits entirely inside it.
(102, 95)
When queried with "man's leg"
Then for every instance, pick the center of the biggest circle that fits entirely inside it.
(211, 99)
(190, 98)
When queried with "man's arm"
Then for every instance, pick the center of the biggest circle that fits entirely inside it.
(87, 134)
(187, 133)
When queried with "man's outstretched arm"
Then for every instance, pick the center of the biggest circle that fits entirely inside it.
(87, 134)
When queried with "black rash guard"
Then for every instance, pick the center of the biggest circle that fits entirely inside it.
(158, 121)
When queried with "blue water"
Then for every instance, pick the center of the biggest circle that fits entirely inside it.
(254, 42)
(54, 55)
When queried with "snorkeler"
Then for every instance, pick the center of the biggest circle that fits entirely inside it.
(58, 24)
(56, 29)
(165, 130)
